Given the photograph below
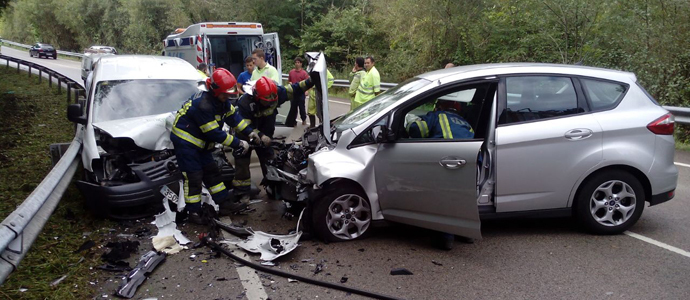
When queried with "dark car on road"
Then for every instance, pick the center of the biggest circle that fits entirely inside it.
(43, 50)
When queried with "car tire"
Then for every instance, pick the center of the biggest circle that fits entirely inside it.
(342, 214)
(610, 202)
(54, 56)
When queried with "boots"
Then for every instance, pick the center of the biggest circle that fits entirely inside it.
(312, 121)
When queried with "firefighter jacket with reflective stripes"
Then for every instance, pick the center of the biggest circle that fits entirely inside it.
(369, 86)
(200, 122)
(264, 118)
(440, 124)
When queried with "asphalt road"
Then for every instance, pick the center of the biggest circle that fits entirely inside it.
(517, 259)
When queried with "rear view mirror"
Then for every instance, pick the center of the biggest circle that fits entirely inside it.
(74, 114)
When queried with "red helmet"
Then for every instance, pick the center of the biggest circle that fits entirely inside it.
(265, 89)
(222, 82)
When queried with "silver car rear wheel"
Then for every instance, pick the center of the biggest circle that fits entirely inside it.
(609, 202)
(613, 203)
(349, 217)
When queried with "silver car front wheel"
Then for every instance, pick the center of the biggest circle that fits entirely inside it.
(610, 202)
(342, 215)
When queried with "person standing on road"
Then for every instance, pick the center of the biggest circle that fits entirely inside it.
(246, 75)
(369, 85)
(355, 78)
(263, 68)
(259, 108)
(296, 75)
(198, 126)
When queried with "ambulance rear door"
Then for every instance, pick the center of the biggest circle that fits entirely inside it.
(271, 47)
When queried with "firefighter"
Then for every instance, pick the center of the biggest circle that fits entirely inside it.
(259, 108)
(196, 130)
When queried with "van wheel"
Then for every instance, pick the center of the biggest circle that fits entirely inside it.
(610, 202)
(343, 214)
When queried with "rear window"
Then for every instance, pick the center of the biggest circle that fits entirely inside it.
(603, 94)
(47, 46)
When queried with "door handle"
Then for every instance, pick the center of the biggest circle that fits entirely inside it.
(452, 163)
(578, 134)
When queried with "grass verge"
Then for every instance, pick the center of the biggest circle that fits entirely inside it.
(34, 118)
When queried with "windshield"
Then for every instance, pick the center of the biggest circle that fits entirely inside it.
(363, 113)
(123, 99)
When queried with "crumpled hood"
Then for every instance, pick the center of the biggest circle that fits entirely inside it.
(148, 132)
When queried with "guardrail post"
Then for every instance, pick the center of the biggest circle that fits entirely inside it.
(29, 70)
(69, 92)
(40, 75)
(59, 85)
(50, 79)
(77, 93)
(18, 67)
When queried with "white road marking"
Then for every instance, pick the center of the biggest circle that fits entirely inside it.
(657, 243)
(250, 280)
(681, 164)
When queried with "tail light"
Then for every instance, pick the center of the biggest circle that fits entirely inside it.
(663, 125)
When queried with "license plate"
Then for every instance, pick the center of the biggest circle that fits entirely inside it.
(168, 194)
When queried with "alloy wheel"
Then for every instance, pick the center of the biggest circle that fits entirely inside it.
(348, 217)
(613, 203)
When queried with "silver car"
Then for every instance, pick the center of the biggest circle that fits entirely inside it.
(549, 140)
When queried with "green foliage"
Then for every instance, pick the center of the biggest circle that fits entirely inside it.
(408, 37)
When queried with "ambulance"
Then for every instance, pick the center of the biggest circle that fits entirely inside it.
(223, 44)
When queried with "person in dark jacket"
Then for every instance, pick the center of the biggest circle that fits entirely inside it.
(196, 131)
(259, 108)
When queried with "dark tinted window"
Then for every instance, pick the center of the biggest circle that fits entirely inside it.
(603, 94)
(538, 97)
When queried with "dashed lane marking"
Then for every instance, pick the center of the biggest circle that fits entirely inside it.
(250, 280)
(681, 164)
(657, 243)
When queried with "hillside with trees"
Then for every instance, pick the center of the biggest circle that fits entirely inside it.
(648, 37)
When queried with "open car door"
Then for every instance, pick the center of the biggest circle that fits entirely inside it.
(271, 47)
(208, 59)
(317, 69)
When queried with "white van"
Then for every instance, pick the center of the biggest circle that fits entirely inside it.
(224, 44)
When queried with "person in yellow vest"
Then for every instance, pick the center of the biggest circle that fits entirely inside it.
(312, 100)
(355, 78)
(262, 68)
(369, 85)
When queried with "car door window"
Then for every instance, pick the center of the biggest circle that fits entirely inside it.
(452, 113)
(532, 98)
(603, 95)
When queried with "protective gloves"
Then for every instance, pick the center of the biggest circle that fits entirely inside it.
(244, 146)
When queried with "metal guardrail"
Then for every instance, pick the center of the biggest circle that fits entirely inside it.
(29, 46)
(69, 83)
(19, 230)
(681, 114)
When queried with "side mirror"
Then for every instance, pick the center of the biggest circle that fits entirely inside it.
(381, 134)
(74, 114)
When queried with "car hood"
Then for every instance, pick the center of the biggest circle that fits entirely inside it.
(317, 69)
(148, 132)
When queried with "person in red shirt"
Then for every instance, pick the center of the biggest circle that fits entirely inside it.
(296, 75)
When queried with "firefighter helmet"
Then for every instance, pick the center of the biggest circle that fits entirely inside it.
(222, 82)
(265, 89)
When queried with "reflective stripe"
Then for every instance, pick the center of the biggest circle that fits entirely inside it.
(218, 118)
(303, 84)
(445, 126)
(242, 125)
(189, 198)
(365, 93)
(228, 140)
(192, 199)
(209, 126)
(289, 89)
(188, 137)
(246, 182)
(423, 128)
(217, 188)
